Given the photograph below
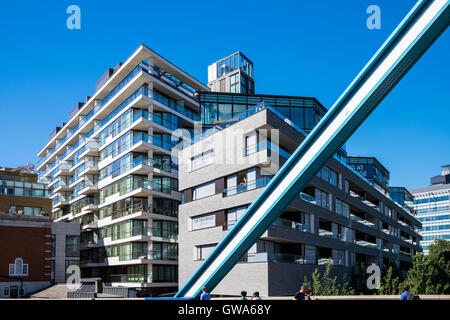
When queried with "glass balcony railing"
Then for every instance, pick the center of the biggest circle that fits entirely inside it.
(326, 233)
(366, 244)
(243, 187)
(151, 255)
(128, 277)
(99, 106)
(274, 257)
(143, 90)
(307, 197)
(280, 222)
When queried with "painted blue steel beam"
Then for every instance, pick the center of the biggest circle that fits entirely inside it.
(409, 41)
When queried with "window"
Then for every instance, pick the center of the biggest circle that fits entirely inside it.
(72, 246)
(322, 199)
(53, 247)
(204, 251)
(6, 291)
(328, 175)
(233, 215)
(204, 190)
(202, 160)
(18, 268)
(163, 273)
(342, 208)
(251, 143)
(338, 257)
(204, 221)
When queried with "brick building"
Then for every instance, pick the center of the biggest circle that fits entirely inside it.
(34, 252)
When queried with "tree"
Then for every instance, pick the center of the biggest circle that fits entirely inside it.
(438, 248)
(430, 274)
(325, 285)
(390, 284)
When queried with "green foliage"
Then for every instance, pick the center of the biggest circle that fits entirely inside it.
(390, 284)
(438, 248)
(325, 285)
(430, 274)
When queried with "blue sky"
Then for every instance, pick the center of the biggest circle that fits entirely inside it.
(306, 48)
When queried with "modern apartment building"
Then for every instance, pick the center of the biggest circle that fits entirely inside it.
(20, 193)
(432, 204)
(340, 217)
(110, 168)
(34, 253)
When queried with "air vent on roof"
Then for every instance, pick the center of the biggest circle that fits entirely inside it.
(75, 109)
(104, 78)
(54, 132)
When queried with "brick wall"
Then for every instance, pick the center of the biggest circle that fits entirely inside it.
(30, 244)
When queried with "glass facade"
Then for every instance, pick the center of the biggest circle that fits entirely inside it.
(217, 107)
(370, 169)
(22, 189)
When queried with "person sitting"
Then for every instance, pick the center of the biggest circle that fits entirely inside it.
(256, 296)
(300, 295)
(243, 295)
(309, 295)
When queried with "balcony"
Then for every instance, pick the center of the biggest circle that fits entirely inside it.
(280, 222)
(274, 257)
(88, 188)
(60, 201)
(130, 210)
(62, 169)
(149, 255)
(307, 197)
(361, 220)
(366, 244)
(251, 185)
(128, 277)
(60, 185)
(90, 149)
(326, 233)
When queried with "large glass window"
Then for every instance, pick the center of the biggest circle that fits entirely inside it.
(204, 251)
(72, 246)
(342, 208)
(202, 160)
(233, 215)
(204, 190)
(251, 143)
(203, 221)
(322, 199)
(163, 273)
(225, 112)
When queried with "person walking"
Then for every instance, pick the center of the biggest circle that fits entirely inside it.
(243, 295)
(205, 295)
(256, 296)
(300, 295)
(405, 293)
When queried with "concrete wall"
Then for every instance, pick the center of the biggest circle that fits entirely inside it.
(61, 230)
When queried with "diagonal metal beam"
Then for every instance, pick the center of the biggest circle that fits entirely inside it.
(409, 41)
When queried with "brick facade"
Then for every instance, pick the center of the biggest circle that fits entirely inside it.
(32, 244)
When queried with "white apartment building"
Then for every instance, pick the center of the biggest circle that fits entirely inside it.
(109, 167)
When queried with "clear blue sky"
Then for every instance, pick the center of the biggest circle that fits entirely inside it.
(307, 48)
